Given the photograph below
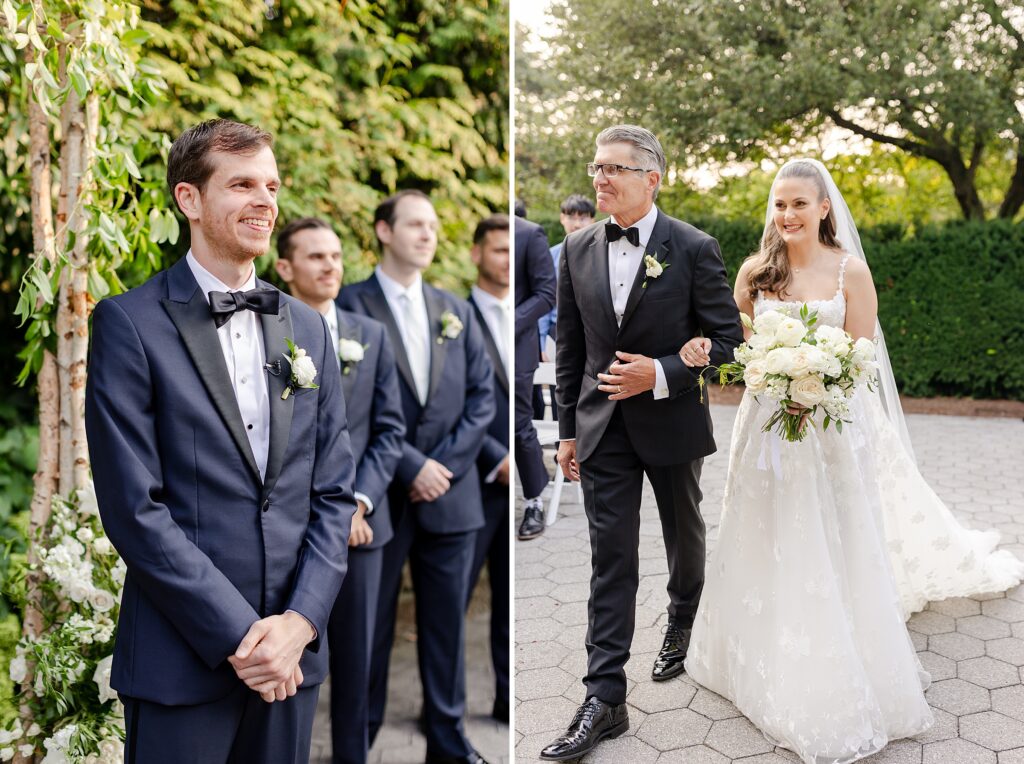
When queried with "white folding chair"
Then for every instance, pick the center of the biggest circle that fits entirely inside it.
(547, 434)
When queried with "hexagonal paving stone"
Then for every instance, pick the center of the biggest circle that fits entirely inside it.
(713, 706)
(929, 622)
(540, 655)
(939, 666)
(572, 575)
(919, 641)
(958, 647)
(542, 683)
(535, 607)
(1016, 756)
(534, 587)
(573, 614)
(1010, 650)
(537, 630)
(546, 714)
(674, 729)
(958, 751)
(1004, 610)
(944, 728)
(696, 754)
(994, 731)
(958, 607)
(780, 756)
(651, 696)
(983, 627)
(737, 738)
(958, 697)
(622, 749)
(897, 752)
(988, 672)
(1009, 701)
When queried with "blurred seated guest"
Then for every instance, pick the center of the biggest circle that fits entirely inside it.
(520, 208)
(535, 297)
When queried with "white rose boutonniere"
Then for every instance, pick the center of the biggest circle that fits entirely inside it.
(350, 352)
(653, 269)
(451, 327)
(303, 370)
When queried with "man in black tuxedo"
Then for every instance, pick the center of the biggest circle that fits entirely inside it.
(490, 300)
(631, 293)
(309, 262)
(535, 296)
(445, 380)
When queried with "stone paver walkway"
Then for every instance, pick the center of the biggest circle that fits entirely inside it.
(974, 648)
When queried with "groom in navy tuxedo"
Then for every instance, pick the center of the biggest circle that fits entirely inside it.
(309, 262)
(223, 474)
(447, 400)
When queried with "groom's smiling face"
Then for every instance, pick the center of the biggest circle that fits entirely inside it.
(629, 195)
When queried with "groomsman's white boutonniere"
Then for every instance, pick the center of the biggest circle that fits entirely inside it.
(451, 327)
(654, 269)
(350, 352)
(303, 370)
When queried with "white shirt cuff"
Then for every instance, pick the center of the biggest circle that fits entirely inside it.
(366, 500)
(660, 385)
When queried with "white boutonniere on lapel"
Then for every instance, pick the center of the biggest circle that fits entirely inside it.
(350, 352)
(654, 269)
(451, 327)
(303, 370)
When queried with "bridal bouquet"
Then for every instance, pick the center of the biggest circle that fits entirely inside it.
(794, 363)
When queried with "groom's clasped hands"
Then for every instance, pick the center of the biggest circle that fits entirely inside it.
(629, 375)
(267, 658)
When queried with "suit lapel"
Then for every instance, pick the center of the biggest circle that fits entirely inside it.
(190, 313)
(275, 330)
(492, 348)
(656, 246)
(438, 349)
(349, 331)
(598, 255)
(377, 306)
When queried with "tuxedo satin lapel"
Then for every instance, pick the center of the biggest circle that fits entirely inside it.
(349, 331)
(377, 306)
(435, 307)
(598, 256)
(275, 329)
(492, 348)
(657, 246)
(195, 325)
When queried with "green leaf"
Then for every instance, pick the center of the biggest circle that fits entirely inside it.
(42, 283)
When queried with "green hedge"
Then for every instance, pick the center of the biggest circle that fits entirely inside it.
(950, 300)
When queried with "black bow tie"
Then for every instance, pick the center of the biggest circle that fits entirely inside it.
(224, 304)
(614, 233)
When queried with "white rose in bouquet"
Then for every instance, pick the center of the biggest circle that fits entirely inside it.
(79, 591)
(760, 343)
(807, 391)
(778, 361)
(832, 340)
(790, 332)
(863, 350)
(101, 600)
(754, 376)
(768, 322)
(822, 362)
(101, 676)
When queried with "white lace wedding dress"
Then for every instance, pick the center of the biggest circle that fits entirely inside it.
(801, 621)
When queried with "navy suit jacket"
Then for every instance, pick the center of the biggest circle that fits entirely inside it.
(375, 422)
(495, 446)
(210, 547)
(535, 291)
(450, 427)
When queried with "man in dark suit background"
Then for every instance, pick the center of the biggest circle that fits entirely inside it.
(448, 403)
(630, 294)
(310, 263)
(535, 296)
(489, 298)
(223, 475)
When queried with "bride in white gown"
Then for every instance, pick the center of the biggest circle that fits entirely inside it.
(828, 544)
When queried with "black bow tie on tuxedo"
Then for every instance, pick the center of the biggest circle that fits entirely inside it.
(614, 233)
(224, 304)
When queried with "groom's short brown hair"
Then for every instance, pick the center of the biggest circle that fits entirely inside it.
(189, 160)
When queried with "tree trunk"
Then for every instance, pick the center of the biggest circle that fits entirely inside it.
(964, 188)
(1014, 198)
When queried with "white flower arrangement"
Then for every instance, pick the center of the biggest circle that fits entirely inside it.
(451, 327)
(68, 665)
(303, 370)
(794, 363)
(653, 268)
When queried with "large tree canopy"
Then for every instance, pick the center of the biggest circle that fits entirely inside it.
(741, 79)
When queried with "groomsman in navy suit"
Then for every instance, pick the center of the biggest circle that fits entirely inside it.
(309, 262)
(223, 474)
(490, 300)
(436, 510)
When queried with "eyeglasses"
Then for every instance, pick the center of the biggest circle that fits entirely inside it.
(610, 170)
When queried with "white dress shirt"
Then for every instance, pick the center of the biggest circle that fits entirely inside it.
(331, 317)
(241, 341)
(495, 312)
(623, 262)
(416, 338)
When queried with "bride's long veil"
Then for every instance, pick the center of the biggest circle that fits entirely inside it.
(846, 233)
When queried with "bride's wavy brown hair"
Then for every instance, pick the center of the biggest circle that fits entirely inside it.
(771, 271)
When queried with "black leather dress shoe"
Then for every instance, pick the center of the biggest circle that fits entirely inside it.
(595, 720)
(500, 710)
(473, 758)
(669, 662)
(533, 523)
